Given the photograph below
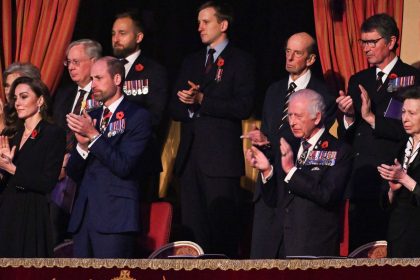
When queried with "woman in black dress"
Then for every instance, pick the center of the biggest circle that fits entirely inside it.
(404, 190)
(30, 164)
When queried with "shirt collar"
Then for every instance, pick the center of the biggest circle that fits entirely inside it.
(388, 68)
(314, 139)
(301, 82)
(86, 88)
(115, 104)
(218, 48)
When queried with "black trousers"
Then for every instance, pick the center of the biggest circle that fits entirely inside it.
(209, 209)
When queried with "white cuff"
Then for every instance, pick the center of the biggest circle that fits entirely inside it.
(84, 154)
(290, 174)
(265, 180)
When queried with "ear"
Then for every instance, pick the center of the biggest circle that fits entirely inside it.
(318, 118)
(392, 42)
(224, 25)
(40, 101)
(117, 79)
(310, 60)
(139, 37)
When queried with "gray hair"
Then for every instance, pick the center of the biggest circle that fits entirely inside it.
(93, 49)
(316, 101)
(23, 69)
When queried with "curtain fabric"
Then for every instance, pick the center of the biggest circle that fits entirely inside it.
(37, 32)
(337, 24)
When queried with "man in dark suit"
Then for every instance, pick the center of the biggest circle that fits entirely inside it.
(146, 85)
(111, 143)
(80, 56)
(373, 134)
(309, 187)
(214, 93)
(300, 56)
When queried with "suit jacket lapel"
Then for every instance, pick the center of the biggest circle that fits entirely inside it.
(133, 74)
(121, 108)
(209, 78)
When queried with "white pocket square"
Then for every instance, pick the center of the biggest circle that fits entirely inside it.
(316, 168)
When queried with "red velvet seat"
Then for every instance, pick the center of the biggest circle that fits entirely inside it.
(156, 227)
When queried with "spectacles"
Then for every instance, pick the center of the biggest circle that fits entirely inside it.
(75, 62)
(369, 43)
(296, 53)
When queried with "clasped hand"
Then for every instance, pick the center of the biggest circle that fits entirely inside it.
(192, 95)
(83, 126)
(393, 174)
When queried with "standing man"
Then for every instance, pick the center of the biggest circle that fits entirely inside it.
(146, 85)
(74, 98)
(309, 188)
(373, 134)
(300, 56)
(111, 143)
(214, 93)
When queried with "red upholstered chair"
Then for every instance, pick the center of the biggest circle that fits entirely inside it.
(344, 241)
(156, 221)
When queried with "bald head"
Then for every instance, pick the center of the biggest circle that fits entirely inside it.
(300, 54)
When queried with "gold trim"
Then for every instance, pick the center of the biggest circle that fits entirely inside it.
(185, 264)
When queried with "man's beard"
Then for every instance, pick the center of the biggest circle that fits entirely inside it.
(124, 52)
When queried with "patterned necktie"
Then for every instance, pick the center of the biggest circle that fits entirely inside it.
(78, 107)
(77, 110)
(305, 145)
(106, 115)
(210, 60)
(379, 82)
(289, 92)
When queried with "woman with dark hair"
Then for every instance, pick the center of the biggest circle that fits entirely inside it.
(7, 113)
(404, 190)
(30, 164)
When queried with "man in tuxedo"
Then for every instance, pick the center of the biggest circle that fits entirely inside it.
(373, 134)
(145, 84)
(213, 94)
(308, 188)
(300, 56)
(110, 145)
(73, 98)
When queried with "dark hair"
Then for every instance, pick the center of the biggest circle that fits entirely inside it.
(39, 88)
(115, 66)
(134, 16)
(412, 92)
(13, 123)
(223, 10)
(384, 24)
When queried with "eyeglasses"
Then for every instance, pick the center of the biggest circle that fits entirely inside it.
(369, 43)
(75, 62)
(296, 53)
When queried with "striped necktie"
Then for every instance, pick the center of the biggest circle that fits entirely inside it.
(289, 92)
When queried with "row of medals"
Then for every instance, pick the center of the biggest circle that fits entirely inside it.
(136, 87)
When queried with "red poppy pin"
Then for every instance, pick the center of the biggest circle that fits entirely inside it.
(324, 144)
(392, 76)
(220, 62)
(34, 134)
(120, 115)
(139, 67)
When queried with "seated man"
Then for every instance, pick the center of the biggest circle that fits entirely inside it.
(313, 179)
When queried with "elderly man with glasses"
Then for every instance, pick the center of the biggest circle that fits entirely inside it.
(73, 98)
(370, 127)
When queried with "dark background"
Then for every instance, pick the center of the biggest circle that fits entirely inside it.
(260, 27)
